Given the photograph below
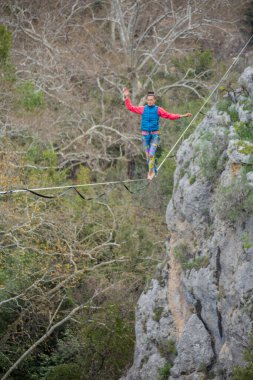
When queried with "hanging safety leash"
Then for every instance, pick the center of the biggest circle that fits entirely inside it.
(37, 191)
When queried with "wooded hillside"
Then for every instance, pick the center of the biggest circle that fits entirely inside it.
(71, 269)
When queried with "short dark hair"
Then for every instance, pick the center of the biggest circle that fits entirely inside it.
(151, 93)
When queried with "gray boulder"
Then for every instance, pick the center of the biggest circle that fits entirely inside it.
(194, 348)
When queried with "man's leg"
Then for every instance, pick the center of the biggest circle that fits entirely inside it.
(153, 146)
(146, 143)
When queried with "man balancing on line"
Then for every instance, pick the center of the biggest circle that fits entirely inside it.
(150, 125)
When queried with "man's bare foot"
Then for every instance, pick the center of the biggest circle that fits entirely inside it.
(151, 175)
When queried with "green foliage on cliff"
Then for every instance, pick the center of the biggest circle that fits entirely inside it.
(164, 372)
(183, 255)
(234, 200)
(244, 130)
(210, 154)
(227, 106)
(245, 372)
(167, 349)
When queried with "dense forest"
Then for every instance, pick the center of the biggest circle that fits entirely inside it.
(72, 267)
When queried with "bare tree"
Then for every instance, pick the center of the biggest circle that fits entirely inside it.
(51, 328)
(150, 35)
(81, 53)
(52, 253)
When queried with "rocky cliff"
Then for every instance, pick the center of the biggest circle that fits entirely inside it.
(194, 320)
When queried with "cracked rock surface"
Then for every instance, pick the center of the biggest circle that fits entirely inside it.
(190, 357)
(153, 328)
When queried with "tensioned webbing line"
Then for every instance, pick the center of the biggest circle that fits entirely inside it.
(69, 186)
(203, 105)
(34, 190)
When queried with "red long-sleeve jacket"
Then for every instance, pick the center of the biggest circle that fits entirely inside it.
(161, 111)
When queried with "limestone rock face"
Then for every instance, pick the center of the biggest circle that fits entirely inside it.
(190, 357)
(207, 297)
(153, 329)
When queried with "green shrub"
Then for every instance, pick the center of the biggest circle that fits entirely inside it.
(183, 256)
(231, 201)
(246, 372)
(247, 240)
(211, 164)
(29, 97)
(182, 253)
(192, 179)
(39, 154)
(247, 105)
(157, 313)
(65, 372)
(226, 105)
(244, 130)
(223, 105)
(245, 148)
(44, 156)
(233, 113)
(197, 263)
(5, 44)
(164, 372)
(167, 349)
(211, 158)
(43, 166)
(198, 61)
(170, 348)
(8, 72)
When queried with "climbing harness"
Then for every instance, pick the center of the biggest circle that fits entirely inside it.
(168, 155)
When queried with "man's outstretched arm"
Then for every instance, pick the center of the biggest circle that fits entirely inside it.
(172, 116)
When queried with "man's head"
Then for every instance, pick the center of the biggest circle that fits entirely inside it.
(151, 98)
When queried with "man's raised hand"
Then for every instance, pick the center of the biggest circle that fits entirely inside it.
(125, 92)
